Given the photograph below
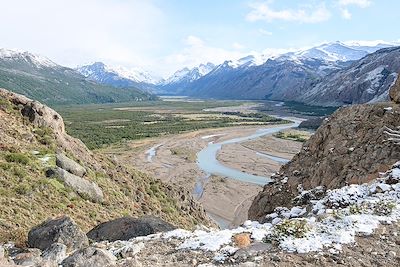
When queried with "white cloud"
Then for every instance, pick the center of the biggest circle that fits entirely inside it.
(74, 31)
(311, 14)
(237, 46)
(196, 52)
(346, 13)
(359, 3)
(343, 4)
(264, 32)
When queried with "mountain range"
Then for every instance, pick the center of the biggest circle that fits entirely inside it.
(331, 74)
(41, 79)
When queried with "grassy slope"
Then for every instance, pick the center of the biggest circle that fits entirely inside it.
(27, 197)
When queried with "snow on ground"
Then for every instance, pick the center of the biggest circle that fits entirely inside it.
(327, 224)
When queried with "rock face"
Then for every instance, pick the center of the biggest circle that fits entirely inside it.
(69, 165)
(348, 148)
(394, 92)
(61, 230)
(366, 81)
(83, 187)
(93, 257)
(126, 228)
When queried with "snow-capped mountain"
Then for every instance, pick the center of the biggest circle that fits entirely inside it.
(41, 79)
(117, 76)
(295, 75)
(338, 51)
(24, 56)
(189, 75)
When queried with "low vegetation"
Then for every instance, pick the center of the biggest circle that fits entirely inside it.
(294, 135)
(101, 125)
(291, 228)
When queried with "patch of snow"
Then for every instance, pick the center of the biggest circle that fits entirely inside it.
(342, 214)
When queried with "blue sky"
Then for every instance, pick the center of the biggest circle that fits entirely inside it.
(164, 35)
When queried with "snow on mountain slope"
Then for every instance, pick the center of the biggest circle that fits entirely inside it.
(99, 71)
(189, 75)
(16, 55)
(338, 51)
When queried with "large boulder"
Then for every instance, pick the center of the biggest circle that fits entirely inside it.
(394, 92)
(69, 165)
(83, 187)
(126, 228)
(90, 256)
(59, 230)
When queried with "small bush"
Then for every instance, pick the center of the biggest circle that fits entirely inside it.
(384, 207)
(5, 166)
(17, 158)
(292, 228)
(23, 189)
(18, 172)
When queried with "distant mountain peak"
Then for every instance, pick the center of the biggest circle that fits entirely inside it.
(35, 59)
(189, 75)
(99, 71)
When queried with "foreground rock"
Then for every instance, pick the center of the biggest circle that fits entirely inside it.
(348, 148)
(61, 230)
(394, 92)
(127, 227)
(93, 257)
(83, 187)
(55, 253)
(69, 165)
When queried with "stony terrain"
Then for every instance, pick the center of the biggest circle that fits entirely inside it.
(325, 230)
(44, 173)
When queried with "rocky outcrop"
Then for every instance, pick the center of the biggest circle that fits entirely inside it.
(394, 92)
(127, 227)
(42, 116)
(348, 148)
(90, 256)
(69, 165)
(61, 230)
(83, 187)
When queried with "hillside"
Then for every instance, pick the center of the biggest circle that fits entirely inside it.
(95, 189)
(41, 79)
(276, 79)
(366, 80)
(348, 148)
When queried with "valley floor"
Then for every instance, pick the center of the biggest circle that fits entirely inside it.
(226, 200)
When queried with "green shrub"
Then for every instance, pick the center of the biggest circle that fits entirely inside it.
(17, 158)
(291, 228)
(384, 207)
(23, 189)
(18, 172)
(5, 166)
